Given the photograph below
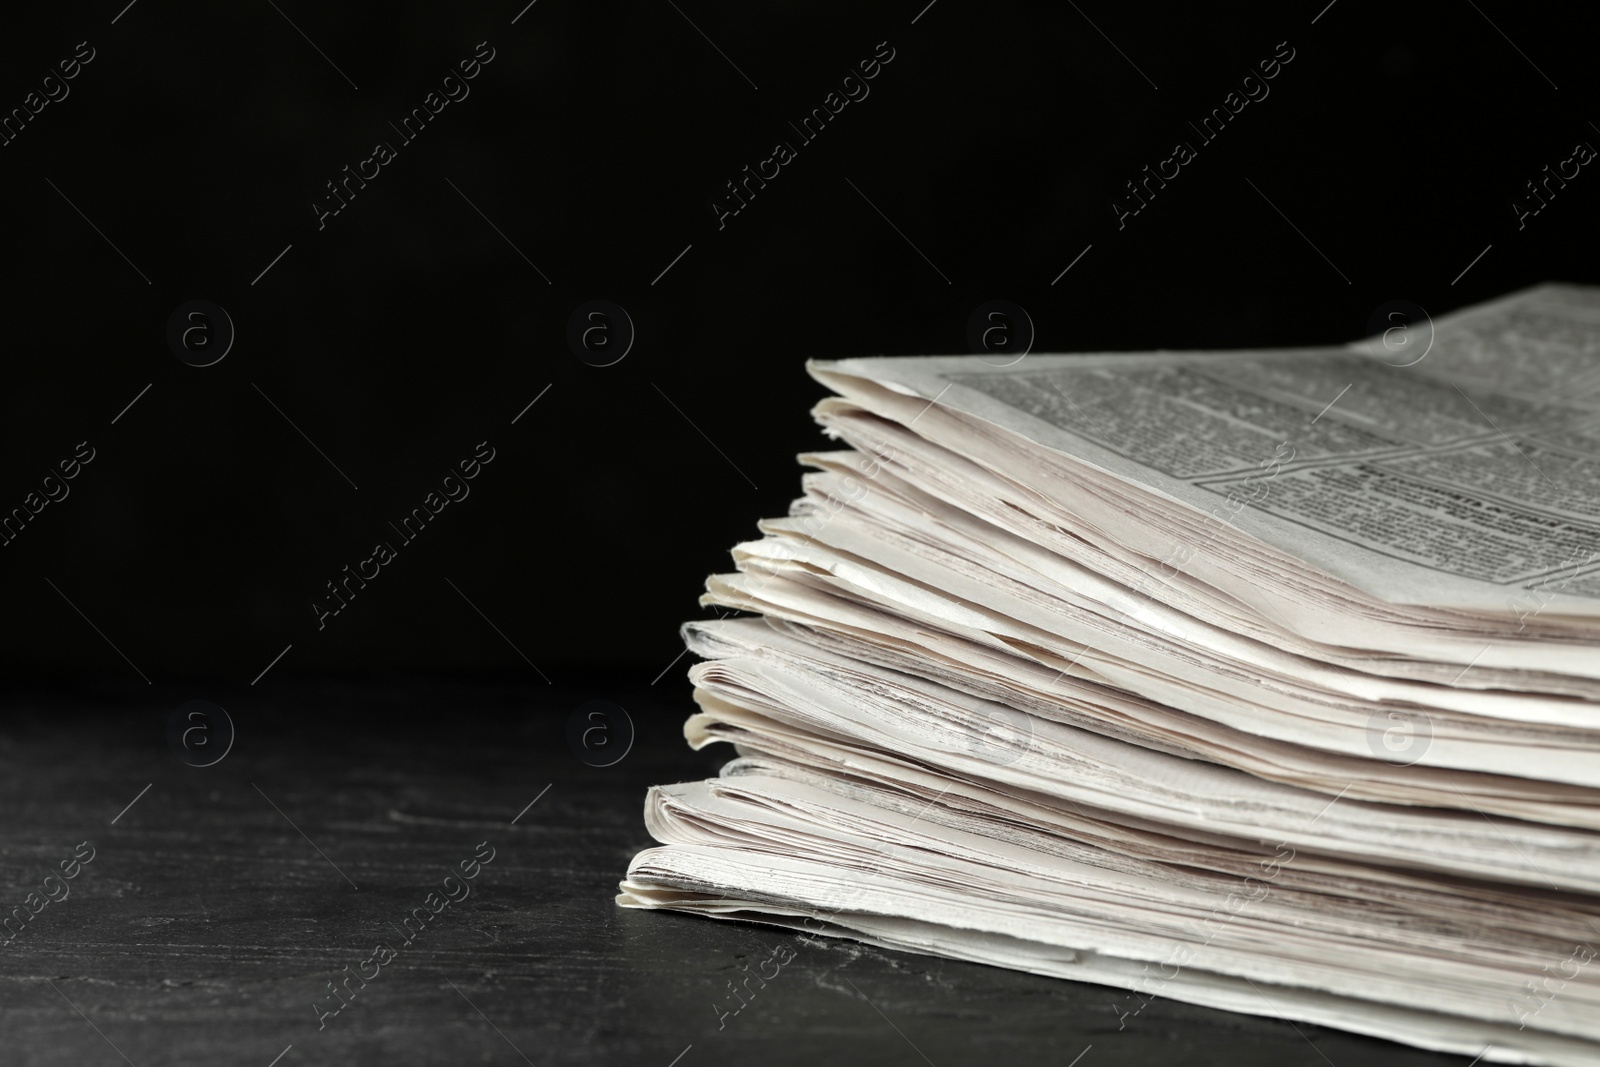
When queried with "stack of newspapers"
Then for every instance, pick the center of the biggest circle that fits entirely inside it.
(1267, 680)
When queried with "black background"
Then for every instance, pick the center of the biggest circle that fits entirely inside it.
(408, 329)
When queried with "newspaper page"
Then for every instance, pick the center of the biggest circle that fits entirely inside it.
(870, 864)
(1012, 695)
(776, 707)
(1463, 478)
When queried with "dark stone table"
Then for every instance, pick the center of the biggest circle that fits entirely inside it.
(217, 908)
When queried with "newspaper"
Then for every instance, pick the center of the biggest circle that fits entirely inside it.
(1436, 965)
(773, 691)
(1233, 682)
(977, 692)
(1463, 481)
(1264, 680)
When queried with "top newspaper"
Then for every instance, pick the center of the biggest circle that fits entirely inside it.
(1455, 471)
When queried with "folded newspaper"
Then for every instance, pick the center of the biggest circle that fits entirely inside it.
(1266, 680)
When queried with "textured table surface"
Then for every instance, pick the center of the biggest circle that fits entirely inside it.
(218, 907)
